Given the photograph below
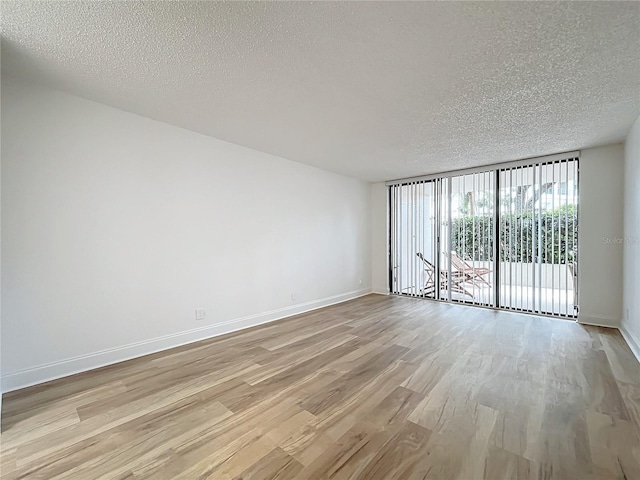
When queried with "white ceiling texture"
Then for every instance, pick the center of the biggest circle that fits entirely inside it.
(374, 90)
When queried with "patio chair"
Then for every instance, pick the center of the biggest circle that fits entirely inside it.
(430, 285)
(472, 274)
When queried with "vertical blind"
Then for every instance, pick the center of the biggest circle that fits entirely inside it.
(502, 236)
(539, 234)
(413, 238)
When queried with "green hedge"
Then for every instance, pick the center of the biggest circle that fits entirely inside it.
(472, 237)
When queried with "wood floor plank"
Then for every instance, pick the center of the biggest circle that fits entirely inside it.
(365, 372)
(504, 465)
(615, 447)
(623, 363)
(564, 439)
(631, 396)
(399, 456)
(276, 465)
(381, 387)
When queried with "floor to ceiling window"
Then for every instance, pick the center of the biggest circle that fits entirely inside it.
(503, 236)
(414, 238)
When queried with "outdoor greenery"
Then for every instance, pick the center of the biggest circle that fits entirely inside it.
(472, 236)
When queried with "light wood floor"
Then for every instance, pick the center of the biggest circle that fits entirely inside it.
(376, 388)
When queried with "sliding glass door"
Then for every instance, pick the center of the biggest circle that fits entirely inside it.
(468, 253)
(413, 239)
(539, 237)
(503, 237)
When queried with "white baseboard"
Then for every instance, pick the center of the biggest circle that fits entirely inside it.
(598, 321)
(83, 363)
(632, 341)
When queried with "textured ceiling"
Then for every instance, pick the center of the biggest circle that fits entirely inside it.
(375, 90)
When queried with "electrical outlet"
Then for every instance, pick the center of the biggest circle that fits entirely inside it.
(199, 313)
(294, 296)
(360, 282)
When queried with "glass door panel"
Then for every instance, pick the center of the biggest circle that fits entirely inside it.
(413, 239)
(468, 255)
(538, 238)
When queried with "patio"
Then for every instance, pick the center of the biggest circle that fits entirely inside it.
(550, 286)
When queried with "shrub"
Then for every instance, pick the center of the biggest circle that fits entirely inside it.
(472, 237)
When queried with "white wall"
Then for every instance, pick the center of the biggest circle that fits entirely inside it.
(0, 268)
(601, 202)
(631, 311)
(380, 238)
(599, 224)
(116, 227)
